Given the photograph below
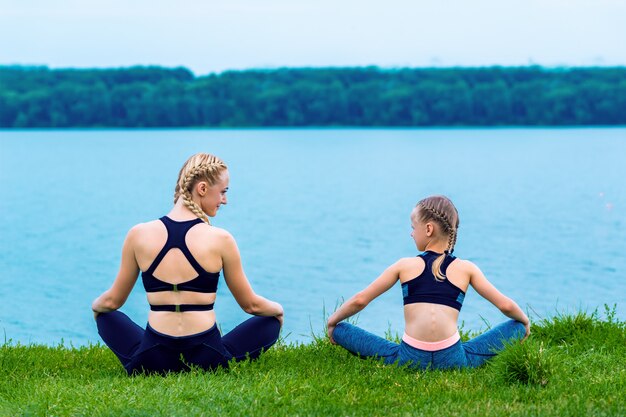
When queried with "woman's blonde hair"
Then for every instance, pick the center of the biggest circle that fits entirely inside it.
(200, 167)
(439, 209)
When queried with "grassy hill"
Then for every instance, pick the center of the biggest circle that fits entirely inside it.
(572, 365)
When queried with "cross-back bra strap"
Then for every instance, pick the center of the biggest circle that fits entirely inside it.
(159, 258)
(192, 261)
(176, 232)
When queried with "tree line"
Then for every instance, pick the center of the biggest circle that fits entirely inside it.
(39, 97)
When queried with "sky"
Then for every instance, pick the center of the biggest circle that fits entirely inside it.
(210, 36)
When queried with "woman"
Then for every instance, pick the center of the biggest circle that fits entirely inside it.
(433, 287)
(180, 257)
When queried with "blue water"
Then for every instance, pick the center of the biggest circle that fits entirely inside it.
(317, 214)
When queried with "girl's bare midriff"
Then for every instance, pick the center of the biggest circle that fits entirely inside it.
(430, 322)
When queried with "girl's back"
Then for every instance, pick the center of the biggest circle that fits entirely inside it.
(433, 289)
(426, 321)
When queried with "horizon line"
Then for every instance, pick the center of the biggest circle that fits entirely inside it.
(311, 67)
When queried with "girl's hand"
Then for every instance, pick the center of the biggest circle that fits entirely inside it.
(527, 326)
(330, 330)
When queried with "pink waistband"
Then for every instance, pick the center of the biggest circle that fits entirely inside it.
(431, 346)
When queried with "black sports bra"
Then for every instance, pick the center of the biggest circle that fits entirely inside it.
(427, 289)
(205, 282)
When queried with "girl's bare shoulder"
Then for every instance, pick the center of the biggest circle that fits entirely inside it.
(409, 268)
(463, 265)
(409, 262)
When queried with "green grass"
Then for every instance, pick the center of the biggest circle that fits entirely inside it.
(572, 365)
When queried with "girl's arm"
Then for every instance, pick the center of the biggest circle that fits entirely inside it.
(116, 296)
(361, 299)
(238, 283)
(486, 289)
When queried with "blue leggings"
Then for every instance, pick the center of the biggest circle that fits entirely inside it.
(149, 351)
(471, 354)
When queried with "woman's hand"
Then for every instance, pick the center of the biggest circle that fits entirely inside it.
(280, 318)
(96, 308)
(104, 304)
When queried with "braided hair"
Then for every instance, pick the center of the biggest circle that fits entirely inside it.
(439, 209)
(200, 167)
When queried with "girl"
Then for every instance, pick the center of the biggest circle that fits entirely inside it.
(180, 257)
(433, 287)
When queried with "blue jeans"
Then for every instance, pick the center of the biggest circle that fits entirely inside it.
(470, 354)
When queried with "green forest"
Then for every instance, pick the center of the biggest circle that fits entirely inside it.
(40, 97)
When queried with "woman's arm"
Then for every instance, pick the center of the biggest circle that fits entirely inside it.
(116, 296)
(486, 289)
(239, 285)
(361, 299)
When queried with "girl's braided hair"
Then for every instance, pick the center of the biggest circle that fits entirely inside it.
(200, 167)
(439, 209)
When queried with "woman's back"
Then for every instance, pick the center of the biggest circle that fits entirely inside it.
(180, 257)
(202, 242)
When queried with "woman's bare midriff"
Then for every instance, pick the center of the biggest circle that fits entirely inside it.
(183, 323)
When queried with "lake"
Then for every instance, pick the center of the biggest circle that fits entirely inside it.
(317, 214)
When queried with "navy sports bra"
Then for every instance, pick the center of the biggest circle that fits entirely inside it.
(205, 282)
(426, 289)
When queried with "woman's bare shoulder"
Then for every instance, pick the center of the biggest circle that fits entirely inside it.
(149, 231)
(146, 227)
(214, 237)
(218, 231)
(215, 233)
